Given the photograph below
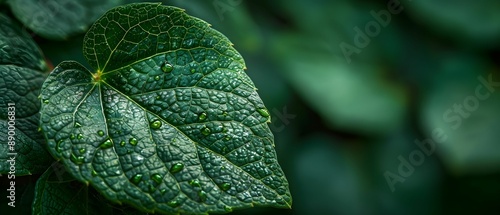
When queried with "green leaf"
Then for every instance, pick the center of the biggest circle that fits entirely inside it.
(464, 21)
(59, 19)
(168, 122)
(21, 79)
(56, 192)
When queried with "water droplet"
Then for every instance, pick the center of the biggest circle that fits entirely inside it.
(46, 101)
(122, 143)
(202, 116)
(225, 186)
(176, 168)
(136, 178)
(158, 97)
(163, 191)
(263, 112)
(206, 131)
(77, 160)
(94, 173)
(227, 208)
(77, 125)
(227, 138)
(133, 141)
(79, 136)
(156, 124)
(151, 188)
(157, 78)
(82, 150)
(203, 195)
(100, 133)
(157, 178)
(194, 183)
(193, 70)
(173, 203)
(72, 136)
(39, 129)
(166, 67)
(106, 144)
(58, 146)
(225, 113)
(39, 96)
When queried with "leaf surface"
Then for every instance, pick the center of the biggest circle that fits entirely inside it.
(168, 122)
(21, 78)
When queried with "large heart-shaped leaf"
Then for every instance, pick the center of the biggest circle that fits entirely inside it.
(21, 77)
(168, 122)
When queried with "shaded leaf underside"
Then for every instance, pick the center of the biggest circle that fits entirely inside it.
(21, 77)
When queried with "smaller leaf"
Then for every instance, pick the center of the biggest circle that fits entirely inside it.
(20, 82)
(59, 19)
(56, 192)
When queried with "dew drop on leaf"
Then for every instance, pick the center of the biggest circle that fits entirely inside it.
(194, 183)
(263, 112)
(77, 125)
(106, 144)
(202, 116)
(173, 203)
(227, 208)
(78, 160)
(206, 131)
(176, 168)
(136, 178)
(132, 141)
(157, 178)
(157, 78)
(46, 101)
(58, 146)
(225, 186)
(39, 129)
(203, 195)
(100, 133)
(166, 67)
(82, 150)
(163, 191)
(156, 124)
(94, 173)
(122, 143)
(79, 136)
(193, 70)
(72, 136)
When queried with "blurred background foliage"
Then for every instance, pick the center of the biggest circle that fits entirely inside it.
(340, 126)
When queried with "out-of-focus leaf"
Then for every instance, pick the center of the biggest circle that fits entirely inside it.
(21, 77)
(56, 192)
(352, 97)
(59, 19)
(454, 105)
(475, 22)
(24, 195)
